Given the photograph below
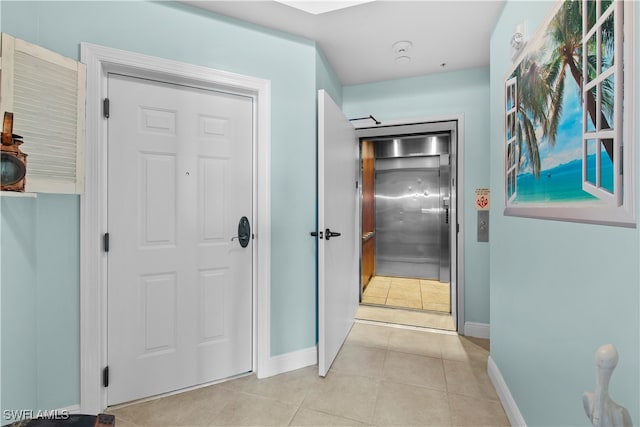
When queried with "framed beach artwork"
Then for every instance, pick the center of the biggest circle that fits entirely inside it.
(569, 113)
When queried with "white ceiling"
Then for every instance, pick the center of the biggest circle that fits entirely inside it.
(358, 40)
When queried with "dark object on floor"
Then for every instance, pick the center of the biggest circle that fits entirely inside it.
(74, 420)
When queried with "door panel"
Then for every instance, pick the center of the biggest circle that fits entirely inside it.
(179, 289)
(338, 262)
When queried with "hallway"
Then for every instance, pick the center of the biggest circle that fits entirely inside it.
(383, 376)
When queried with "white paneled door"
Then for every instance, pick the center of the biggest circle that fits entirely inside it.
(179, 278)
(338, 263)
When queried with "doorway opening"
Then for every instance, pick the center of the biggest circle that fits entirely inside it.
(408, 214)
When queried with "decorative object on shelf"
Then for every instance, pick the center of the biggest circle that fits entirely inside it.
(601, 410)
(46, 93)
(13, 166)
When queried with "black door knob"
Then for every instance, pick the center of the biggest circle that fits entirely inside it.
(244, 232)
(329, 234)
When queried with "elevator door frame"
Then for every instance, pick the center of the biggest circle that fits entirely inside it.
(455, 125)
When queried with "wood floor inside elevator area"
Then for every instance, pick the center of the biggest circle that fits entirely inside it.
(413, 302)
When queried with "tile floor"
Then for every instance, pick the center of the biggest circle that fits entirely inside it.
(409, 293)
(383, 376)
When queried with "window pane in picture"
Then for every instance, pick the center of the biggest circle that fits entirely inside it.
(592, 60)
(592, 108)
(607, 43)
(511, 183)
(591, 14)
(512, 131)
(606, 168)
(591, 161)
(607, 91)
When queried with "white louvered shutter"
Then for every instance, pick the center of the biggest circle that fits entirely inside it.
(46, 93)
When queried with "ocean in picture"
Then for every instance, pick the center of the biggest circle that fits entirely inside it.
(562, 183)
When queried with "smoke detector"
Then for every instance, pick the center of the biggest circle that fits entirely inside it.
(402, 47)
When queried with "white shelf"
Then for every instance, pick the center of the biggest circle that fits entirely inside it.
(18, 194)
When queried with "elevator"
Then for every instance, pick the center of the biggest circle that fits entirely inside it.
(412, 207)
(408, 216)
(410, 263)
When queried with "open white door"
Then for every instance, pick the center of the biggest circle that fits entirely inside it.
(337, 253)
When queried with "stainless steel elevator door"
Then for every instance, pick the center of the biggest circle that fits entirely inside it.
(408, 217)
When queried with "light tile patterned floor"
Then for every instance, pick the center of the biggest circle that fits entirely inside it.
(383, 376)
(408, 293)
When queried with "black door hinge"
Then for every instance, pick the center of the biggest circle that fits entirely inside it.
(105, 377)
(457, 228)
(105, 108)
(106, 242)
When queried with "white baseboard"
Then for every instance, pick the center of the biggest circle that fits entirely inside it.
(508, 403)
(74, 409)
(478, 330)
(289, 362)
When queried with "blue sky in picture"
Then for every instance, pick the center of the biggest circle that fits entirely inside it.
(568, 146)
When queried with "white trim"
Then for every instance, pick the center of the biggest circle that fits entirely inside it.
(93, 322)
(478, 330)
(507, 400)
(18, 194)
(289, 362)
(460, 134)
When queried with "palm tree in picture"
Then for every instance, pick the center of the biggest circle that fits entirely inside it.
(532, 95)
(564, 38)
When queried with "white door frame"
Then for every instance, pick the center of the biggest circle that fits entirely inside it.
(101, 60)
(364, 129)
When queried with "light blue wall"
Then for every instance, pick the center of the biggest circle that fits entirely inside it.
(19, 282)
(327, 79)
(461, 92)
(58, 334)
(186, 34)
(558, 290)
(40, 290)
